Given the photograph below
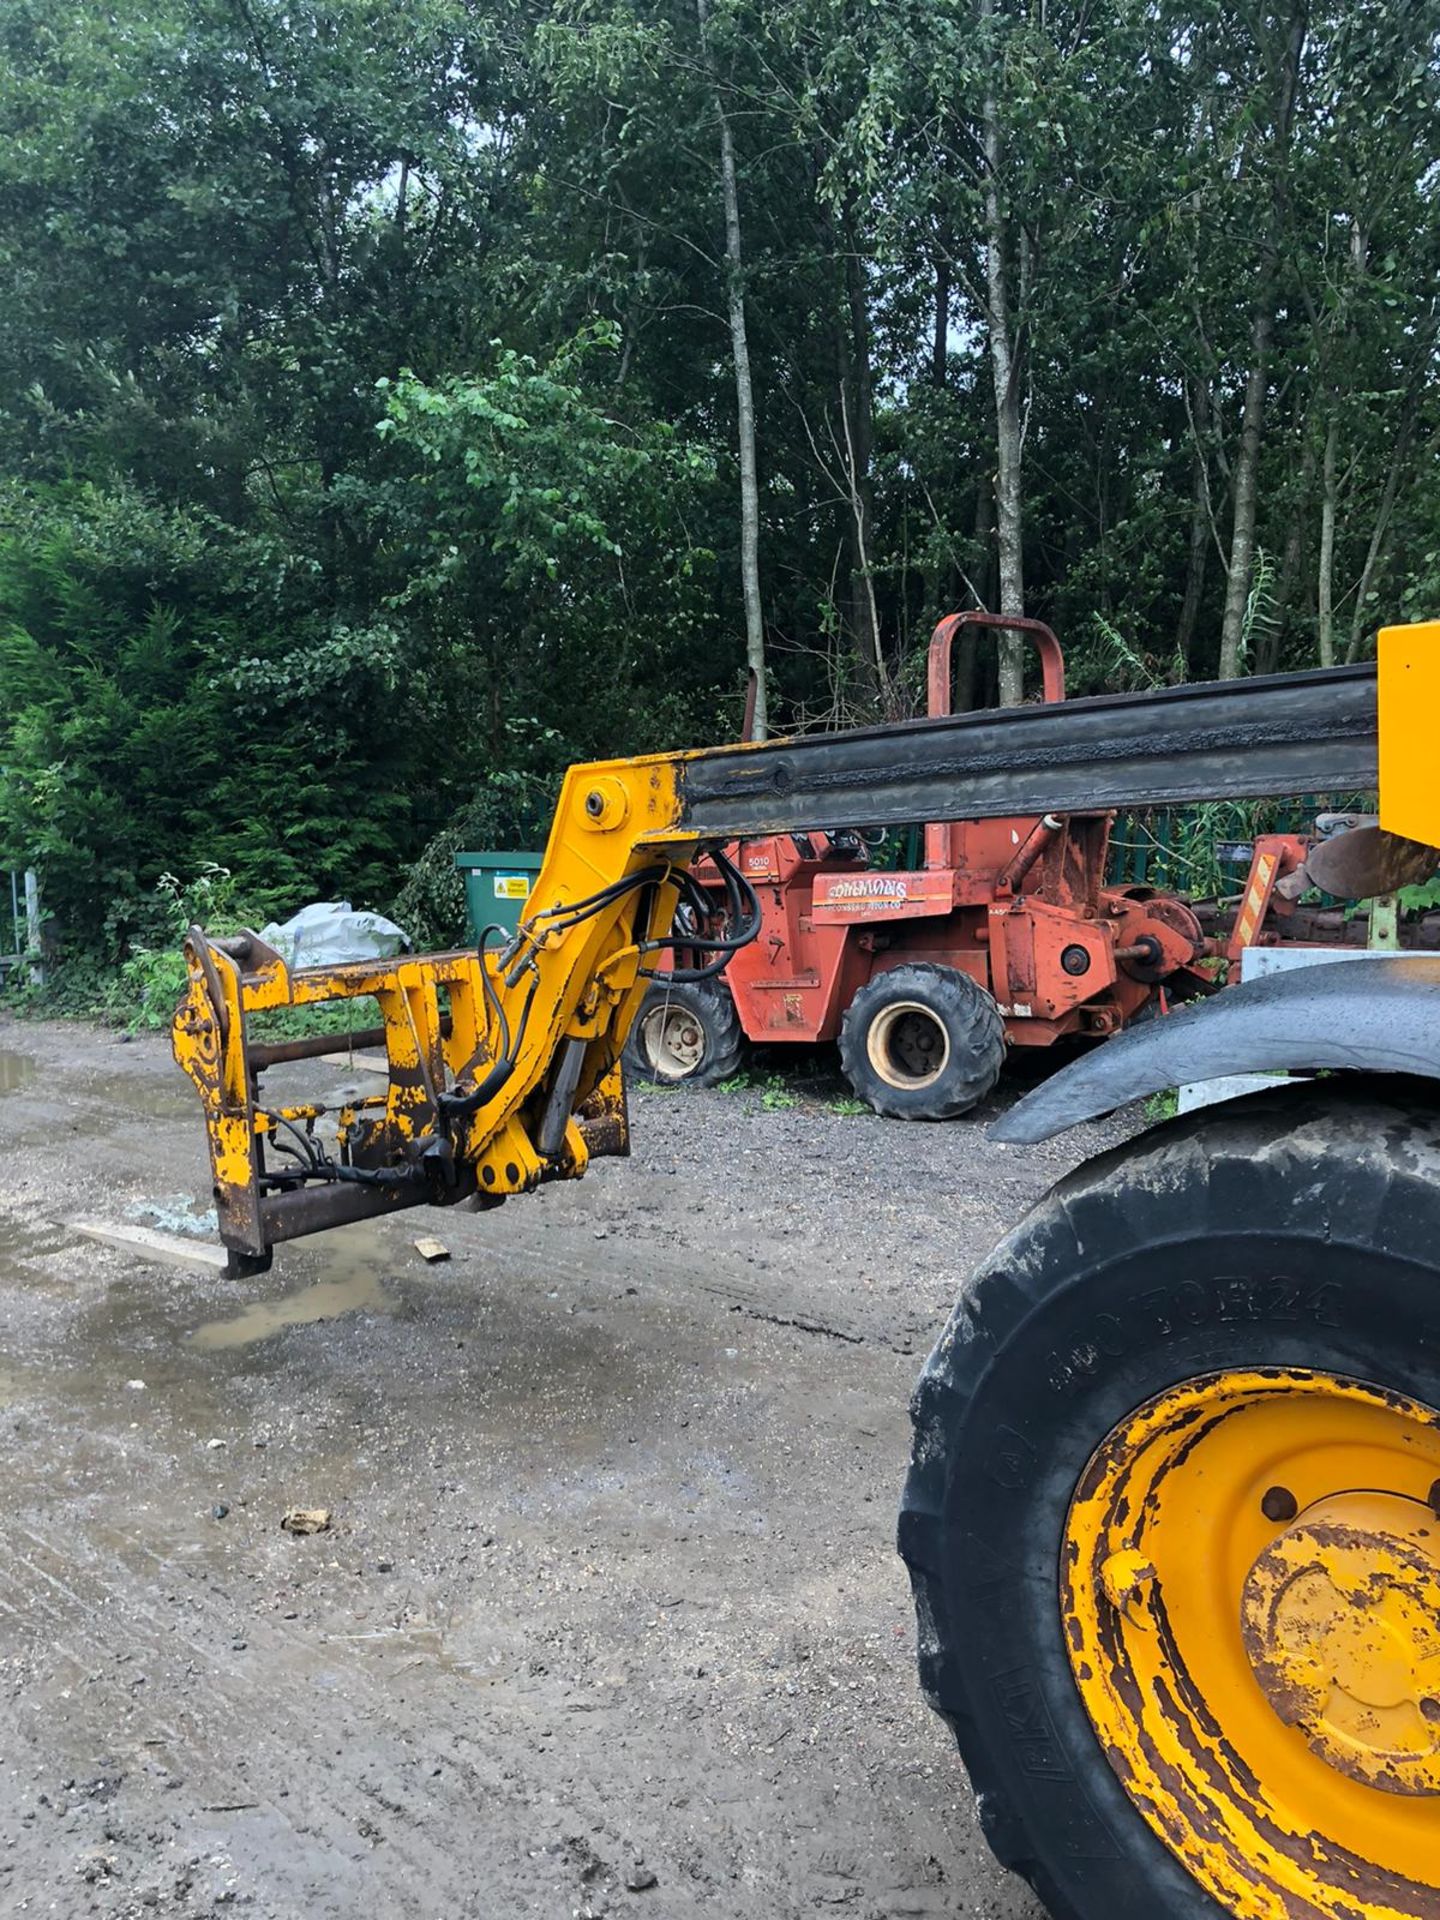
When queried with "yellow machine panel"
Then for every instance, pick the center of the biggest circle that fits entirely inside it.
(1409, 660)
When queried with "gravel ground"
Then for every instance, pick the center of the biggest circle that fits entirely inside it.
(608, 1619)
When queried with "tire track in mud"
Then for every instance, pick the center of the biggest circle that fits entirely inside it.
(702, 1281)
(765, 1790)
(405, 1832)
(405, 1842)
(391, 1844)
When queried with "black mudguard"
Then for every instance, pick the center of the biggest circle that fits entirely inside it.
(1378, 1015)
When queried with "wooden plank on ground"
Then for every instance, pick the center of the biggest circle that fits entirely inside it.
(171, 1249)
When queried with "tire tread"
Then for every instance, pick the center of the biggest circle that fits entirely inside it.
(1336, 1124)
(936, 986)
(721, 1018)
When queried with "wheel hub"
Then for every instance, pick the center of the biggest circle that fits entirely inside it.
(1256, 1638)
(908, 1045)
(674, 1042)
(1341, 1621)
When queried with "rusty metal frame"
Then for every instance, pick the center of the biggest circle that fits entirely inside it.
(514, 1080)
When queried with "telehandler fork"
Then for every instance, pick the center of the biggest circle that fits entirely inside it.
(1173, 1517)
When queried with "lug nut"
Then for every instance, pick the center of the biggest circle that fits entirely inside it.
(1279, 1504)
(1075, 959)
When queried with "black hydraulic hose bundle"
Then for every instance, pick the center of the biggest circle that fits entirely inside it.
(741, 919)
(742, 915)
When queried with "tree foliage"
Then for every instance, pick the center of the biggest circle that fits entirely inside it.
(368, 438)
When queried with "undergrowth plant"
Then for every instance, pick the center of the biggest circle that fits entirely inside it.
(142, 996)
(153, 977)
(775, 1097)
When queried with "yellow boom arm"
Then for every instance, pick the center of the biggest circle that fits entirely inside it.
(515, 1079)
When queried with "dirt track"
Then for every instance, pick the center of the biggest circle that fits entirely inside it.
(610, 1593)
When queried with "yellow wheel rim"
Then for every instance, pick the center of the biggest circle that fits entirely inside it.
(1251, 1593)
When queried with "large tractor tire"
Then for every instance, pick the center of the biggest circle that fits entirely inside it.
(921, 1042)
(1172, 1524)
(686, 1031)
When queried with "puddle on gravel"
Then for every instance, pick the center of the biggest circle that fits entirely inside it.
(14, 1387)
(120, 1095)
(351, 1268)
(16, 1071)
(24, 1241)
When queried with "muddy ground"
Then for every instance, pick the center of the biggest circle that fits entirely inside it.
(609, 1618)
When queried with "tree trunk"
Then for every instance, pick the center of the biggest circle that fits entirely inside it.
(1005, 368)
(1195, 570)
(966, 680)
(1399, 459)
(857, 418)
(1325, 578)
(984, 582)
(1262, 331)
(632, 316)
(744, 406)
(1240, 571)
(1267, 654)
(1399, 462)
(940, 346)
(1199, 555)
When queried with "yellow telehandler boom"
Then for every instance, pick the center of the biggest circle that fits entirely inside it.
(1173, 1513)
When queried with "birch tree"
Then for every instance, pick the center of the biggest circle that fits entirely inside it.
(744, 393)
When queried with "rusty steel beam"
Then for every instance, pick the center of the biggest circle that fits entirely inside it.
(314, 1046)
(1237, 739)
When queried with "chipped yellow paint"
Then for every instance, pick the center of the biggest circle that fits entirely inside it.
(1341, 1617)
(506, 1161)
(1124, 1577)
(560, 981)
(231, 1149)
(1257, 1644)
(1409, 700)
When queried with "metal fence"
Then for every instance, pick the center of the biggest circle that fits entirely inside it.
(24, 929)
(1205, 850)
